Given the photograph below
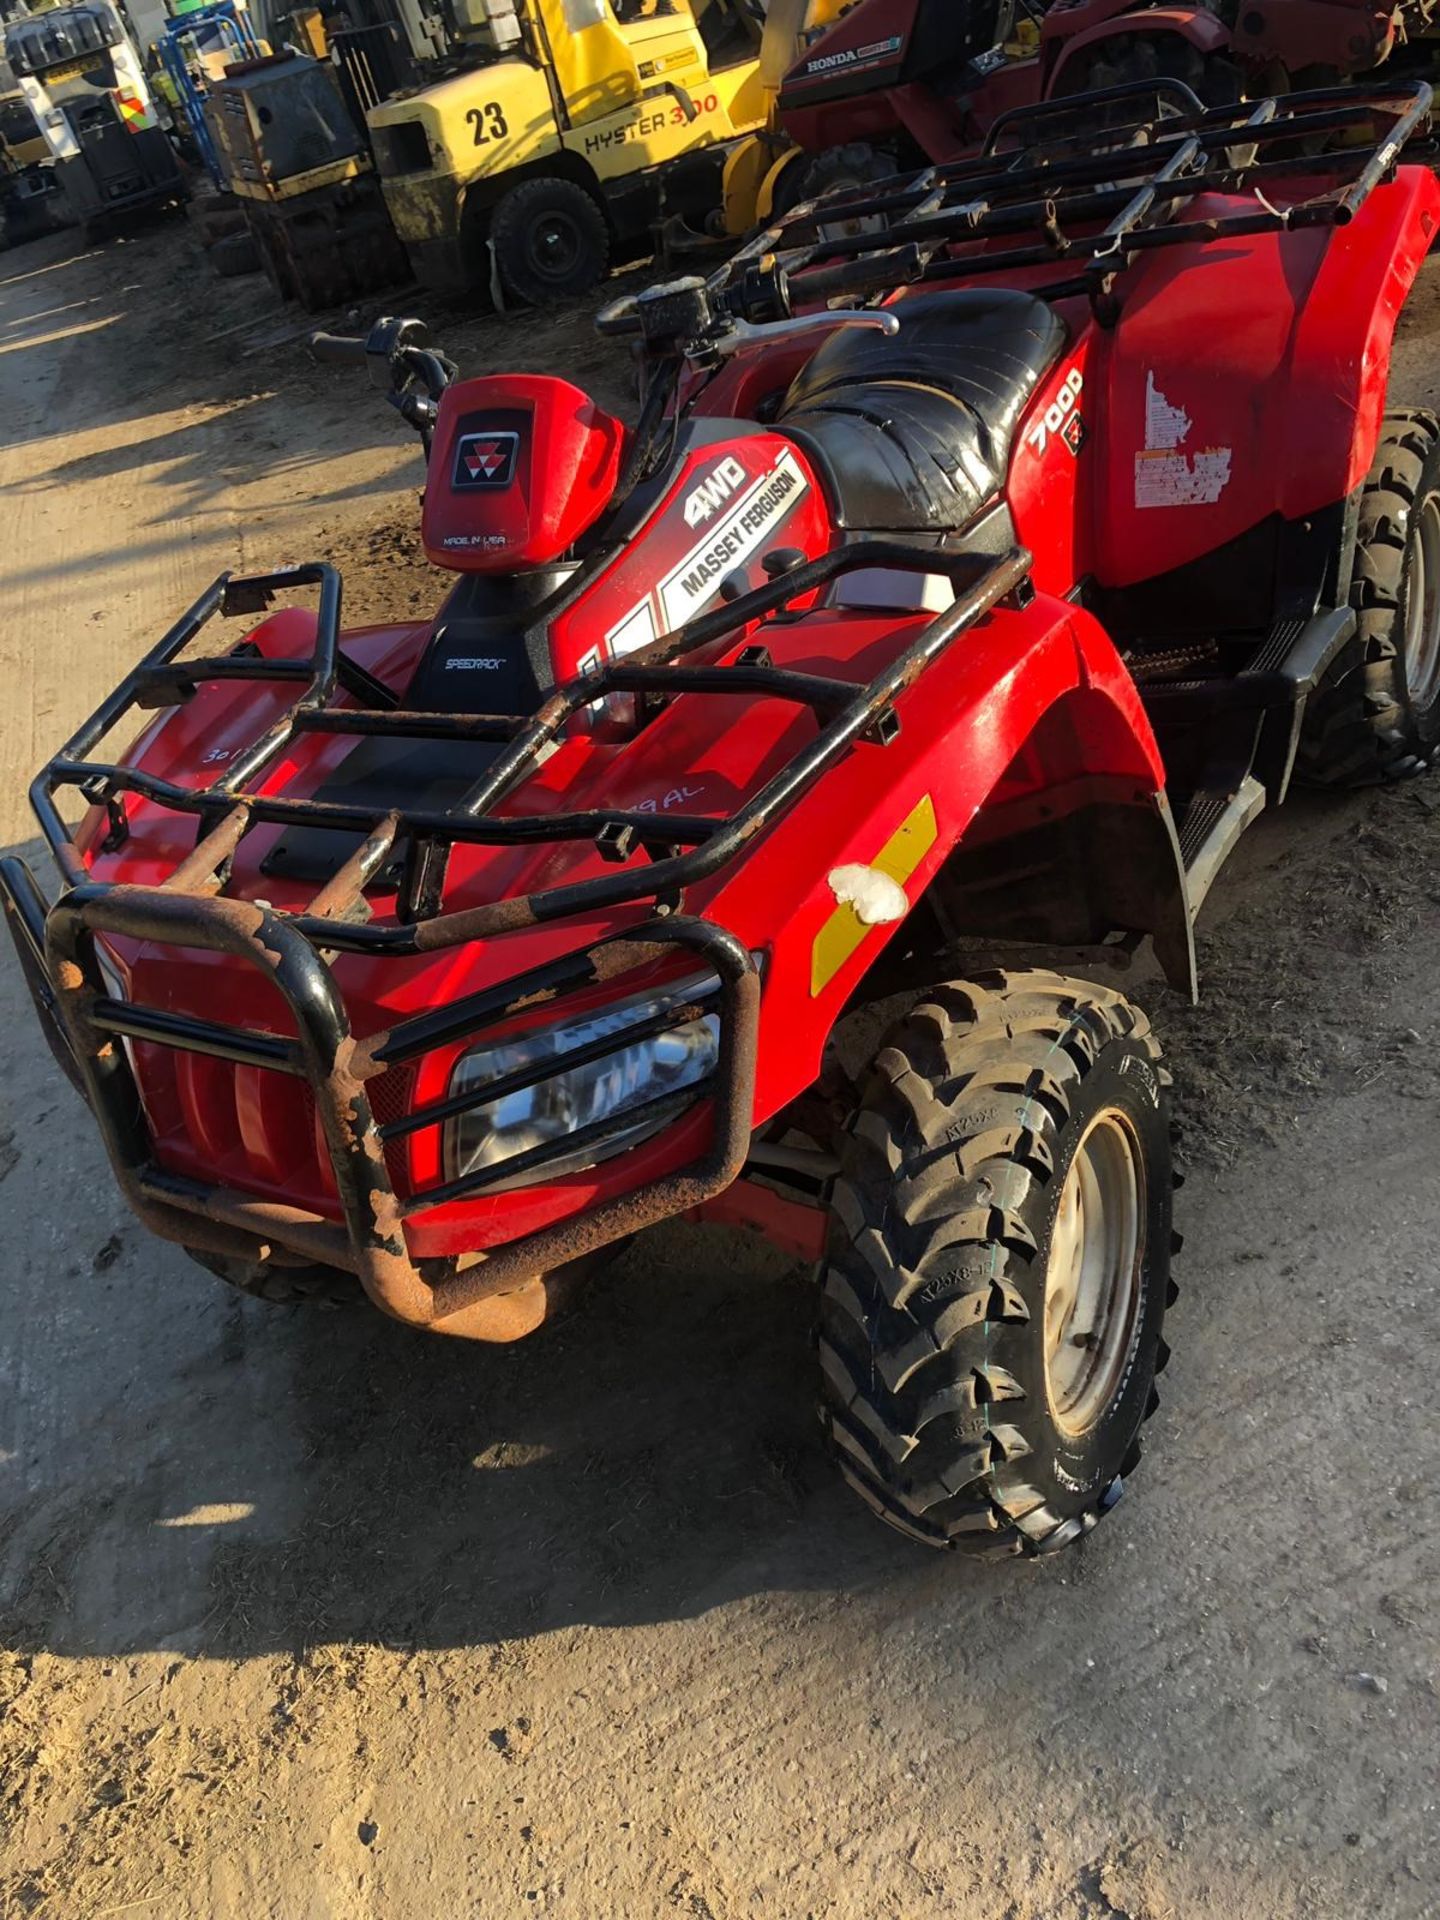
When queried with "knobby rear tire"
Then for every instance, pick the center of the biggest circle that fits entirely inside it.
(1375, 716)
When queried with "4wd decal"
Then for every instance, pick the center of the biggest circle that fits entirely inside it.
(718, 486)
(756, 515)
(1167, 476)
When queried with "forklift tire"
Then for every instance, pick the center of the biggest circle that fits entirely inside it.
(307, 1286)
(999, 1265)
(551, 240)
(217, 227)
(1376, 714)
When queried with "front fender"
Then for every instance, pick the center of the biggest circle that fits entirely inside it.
(1032, 711)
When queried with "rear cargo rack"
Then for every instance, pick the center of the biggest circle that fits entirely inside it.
(1131, 189)
(656, 861)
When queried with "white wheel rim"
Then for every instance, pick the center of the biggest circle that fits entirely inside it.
(1422, 604)
(1092, 1275)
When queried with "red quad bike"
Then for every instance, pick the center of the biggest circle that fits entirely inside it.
(919, 646)
(928, 79)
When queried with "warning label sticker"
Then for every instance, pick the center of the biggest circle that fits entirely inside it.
(1165, 426)
(1167, 476)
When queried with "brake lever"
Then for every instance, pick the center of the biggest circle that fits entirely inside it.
(743, 333)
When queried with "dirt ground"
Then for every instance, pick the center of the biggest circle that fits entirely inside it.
(314, 1617)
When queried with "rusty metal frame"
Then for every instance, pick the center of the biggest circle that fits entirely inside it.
(1093, 211)
(227, 810)
(370, 1242)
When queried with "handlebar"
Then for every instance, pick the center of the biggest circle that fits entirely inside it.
(429, 369)
(707, 321)
(338, 349)
(619, 318)
(413, 373)
(876, 274)
(742, 334)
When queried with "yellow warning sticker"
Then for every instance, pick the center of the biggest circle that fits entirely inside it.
(843, 932)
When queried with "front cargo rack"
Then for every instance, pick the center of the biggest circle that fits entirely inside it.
(190, 908)
(1092, 182)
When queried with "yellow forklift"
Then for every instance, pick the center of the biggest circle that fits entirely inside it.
(518, 144)
(585, 125)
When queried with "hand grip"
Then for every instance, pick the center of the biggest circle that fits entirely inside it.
(893, 268)
(338, 349)
(619, 318)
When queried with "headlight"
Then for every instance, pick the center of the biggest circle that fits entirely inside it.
(620, 1078)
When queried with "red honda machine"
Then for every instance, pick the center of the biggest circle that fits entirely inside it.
(928, 79)
(941, 642)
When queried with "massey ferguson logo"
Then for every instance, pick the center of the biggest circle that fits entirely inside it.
(486, 459)
(713, 491)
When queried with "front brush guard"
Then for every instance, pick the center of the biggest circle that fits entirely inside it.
(83, 1022)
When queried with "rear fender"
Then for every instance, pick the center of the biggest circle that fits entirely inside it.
(1245, 385)
(1195, 26)
(1343, 341)
(1026, 738)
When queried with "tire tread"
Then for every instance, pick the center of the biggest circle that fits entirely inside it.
(951, 1150)
(1358, 728)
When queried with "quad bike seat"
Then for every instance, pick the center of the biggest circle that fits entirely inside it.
(911, 432)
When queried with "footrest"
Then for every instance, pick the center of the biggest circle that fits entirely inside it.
(1208, 830)
(1303, 649)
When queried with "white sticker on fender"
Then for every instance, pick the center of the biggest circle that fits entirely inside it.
(757, 513)
(1165, 475)
(1165, 426)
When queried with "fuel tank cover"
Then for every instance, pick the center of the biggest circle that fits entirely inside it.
(521, 465)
